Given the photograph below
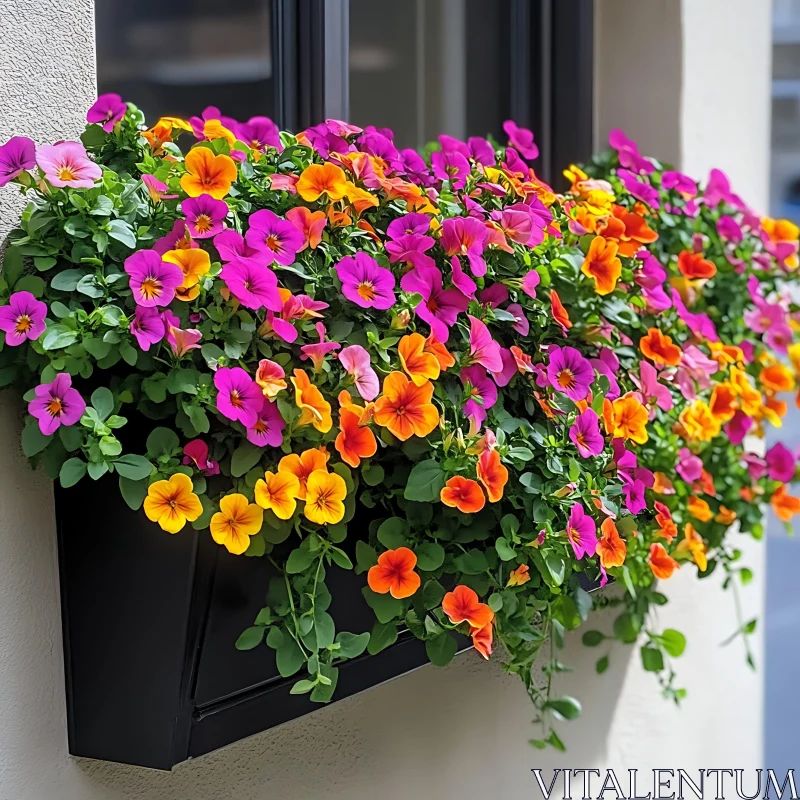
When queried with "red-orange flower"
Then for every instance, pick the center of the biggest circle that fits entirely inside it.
(784, 504)
(611, 548)
(659, 348)
(482, 640)
(421, 366)
(442, 354)
(394, 573)
(629, 230)
(693, 265)
(602, 265)
(406, 409)
(519, 576)
(207, 173)
(492, 474)
(462, 605)
(464, 494)
(354, 441)
(560, 314)
(662, 564)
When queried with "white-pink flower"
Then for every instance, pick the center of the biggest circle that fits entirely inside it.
(355, 359)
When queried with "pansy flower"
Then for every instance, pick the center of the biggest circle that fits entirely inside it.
(585, 434)
(267, 431)
(23, 318)
(354, 440)
(271, 377)
(521, 139)
(322, 179)
(466, 236)
(207, 173)
(148, 327)
(258, 133)
(581, 532)
(66, 164)
(205, 215)
(278, 239)
(419, 365)
(239, 398)
(365, 283)
(309, 223)
(152, 280)
(463, 605)
(315, 409)
(56, 404)
(16, 155)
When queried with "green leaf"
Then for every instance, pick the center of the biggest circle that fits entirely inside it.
(430, 556)
(72, 470)
(473, 562)
(366, 556)
(373, 476)
(162, 442)
(504, 550)
(250, 638)
(88, 285)
(626, 628)
(103, 402)
(155, 387)
(120, 230)
(652, 660)
(288, 657)
(110, 446)
(244, 458)
(33, 440)
(323, 692)
(441, 649)
(392, 533)
(432, 594)
(325, 629)
(564, 707)
(674, 642)
(133, 492)
(257, 546)
(425, 482)
(300, 559)
(340, 558)
(67, 280)
(593, 638)
(385, 606)
(97, 469)
(71, 437)
(602, 665)
(302, 687)
(384, 634)
(183, 380)
(275, 636)
(351, 645)
(30, 283)
(58, 336)
(135, 468)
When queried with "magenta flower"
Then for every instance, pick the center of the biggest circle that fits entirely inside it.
(252, 285)
(196, 452)
(738, 427)
(410, 249)
(653, 393)
(521, 323)
(318, 350)
(239, 397)
(608, 364)
(107, 111)
(66, 164)
(581, 532)
(23, 318)
(461, 280)
(633, 489)
(415, 167)
(277, 238)
(651, 278)
(147, 326)
(569, 372)
(259, 133)
(439, 307)
(494, 296)
(16, 155)
(530, 282)
(585, 434)
(466, 236)
(153, 281)
(699, 324)
(482, 393)
(683, 184)
(510, 368)
(211, 112)
(756, 466)
(182, 341)
(517, 223)
(628, 153)
(718, 190)
(521, 139)
(781, 463)
(451, 167)
(267, 431)
(481, 150)
(407, 225)
(640, 189)
(231, 246)
(689, 466)
(56, 404)
(483, 349)
(366, 283)
(356, 362)
(157, 189)
(177, 239)
(204, 215)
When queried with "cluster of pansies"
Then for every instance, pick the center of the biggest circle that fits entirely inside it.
(514, 394)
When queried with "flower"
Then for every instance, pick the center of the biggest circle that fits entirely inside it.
(630, 419)
(654, 394)
(581, 532)
(781, 463)
(439, 307)
(466, 236)
(450, 166)
(529, 283)
(204, 215)
(602, 265)
(239, 398)
(492, 474)
(521, 139)
(252, 285)
(317, 351)
(270, 377)
(482, 640)
(268, 428)
(356, 362)
(462, 605)
(569, 372)
(394, 573)
(365, 283)
(235, 522)
(693, 544)
(107, 111)
(661, 563)
(259, 133)
(207, 173)
(147, 326)
(182, 341)
(405, 408)
(464, 494)
(56, 404)
(325, 494)
(152, 280)
(196, 452)
(319, 179)
(309, 223)
(693, 266)
(585, 434)
(157, 189)
(777, 378)
(316, 410)
(611, 547)
(301, 466)
(278, 240)
(659, 348)
(278, 492)
(172, 503)
(482, 393)
(560, 314)
(66, 164)
(16, 155)
(420, 365)
(194, 263)
(519, 576)
(698, 422)
(699, 509)
(689, 466)
(483, 349)
(23, 318)
(354, 440)
(440, 352)
(783, 504)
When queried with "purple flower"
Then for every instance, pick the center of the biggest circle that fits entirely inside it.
(439, 307)
(22, 318)
(239, 397)
(408, 224)
(513, 163)
(231, 246)
(628, 153)
(259, 133)
(275, 237)
(585, 434)
(729, 229)
(689, 466)
(16, 155)
(738, 427)
(147, 326)
(252, 285)
(683, 184)
(569, 372)
(640, 189)
(365, 283)
(267, 431)
(415, 167)
(581, 532)
(633, 489)
(494, 296)
(530, 282)
(107, 110)
(153, 281)
(451, 167)
(177, 239)
(482, 393)
(410, 249)
(466, 236)
(204, 215)
(781, 463)
(380, 146)
(718, 190)
(482, 151)
(56, 404)
(66, 164)
(608, 364)
(651, 278)
(521, 139)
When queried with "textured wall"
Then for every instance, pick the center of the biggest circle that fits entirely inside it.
(459, 732)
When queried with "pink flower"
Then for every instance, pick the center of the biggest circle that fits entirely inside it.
(196, 452)
(23, 318)
(530, 282)
(482, 393)
(410, 249)
(259, 133)
(653, 392)
(694, 371)
(365, 283)
(628, 153)
(521, 324)
(66, 164)
(466, 236)
(56, 404)
(569, 372)
(651, 278)
(239, 397)
(439, 307)
(182, 341)
(16, 155)
(585, 434)
(277, 238)
(462, 281)
(521, 139)
(608, 364)
(231, 246)
(683, 184)
(581, 532)
(756, 466)
(510, 368)
(147, 326)
(718, 190)
(451, 167)
(407, 225)
(738, 427)
(781, 463)
(640, 189)
(107, 110)
(729, 229)
(156, 189)
(483, 349)
(689, 466)
(356, 362)
(317, 351)
(204, 215)
(633, 489)
(494, 296)
(267, 431)
(699, 324)
(153, 281)
(177, 239)
(252, 285)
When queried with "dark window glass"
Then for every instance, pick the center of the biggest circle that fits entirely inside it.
(177, 57)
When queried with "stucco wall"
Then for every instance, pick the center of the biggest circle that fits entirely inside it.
(454, 733)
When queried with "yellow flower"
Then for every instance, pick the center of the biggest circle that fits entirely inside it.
(699, 423)
(235, 522)
(325, 494)
(171, 503)
(699, 509)
(309, 399)
(278, 492)
(630, 419)
(693, 545)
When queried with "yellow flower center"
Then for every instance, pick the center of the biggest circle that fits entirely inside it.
(366, 290)
(581, 438)
(236, 400)
(203, 223)
(400, 411)
(55, 407)
(66, 174)
(566, 380)
(23, 323)
(151, 287)
(273, 242)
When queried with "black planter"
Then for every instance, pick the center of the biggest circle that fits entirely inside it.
(150, 620)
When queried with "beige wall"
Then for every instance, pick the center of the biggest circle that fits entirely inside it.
(454, 733)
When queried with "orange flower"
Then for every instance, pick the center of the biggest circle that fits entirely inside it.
(442, 354)
(662, 564)
(784, 504)
(725, 516)
(723, 402)
(662, 484)
(325, 494)
(780, 230)
(725, 354)
(630, 419)
(394, 573)
(698, 423)
(693, 544)
(194, 263)
(406, 409)
(354, 441)
(463, 494)
(749, 397)
(559, 312)
(693, 266)
(602, 265)
(316, 410)
(462, 605)
(629, 230)
(420, 366)
(270, 377)
(303, 465)
(608, 416)
(278, 492)
(699, 509)
(482, 640)
(319, 179)
(659, 348)
(214, 129)
(706, 483)
(207, 173)
(235, 522)
(492, 474)
(776, 378)
(519, 576)
(611, 547)
(171, 503)
(309, 223)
